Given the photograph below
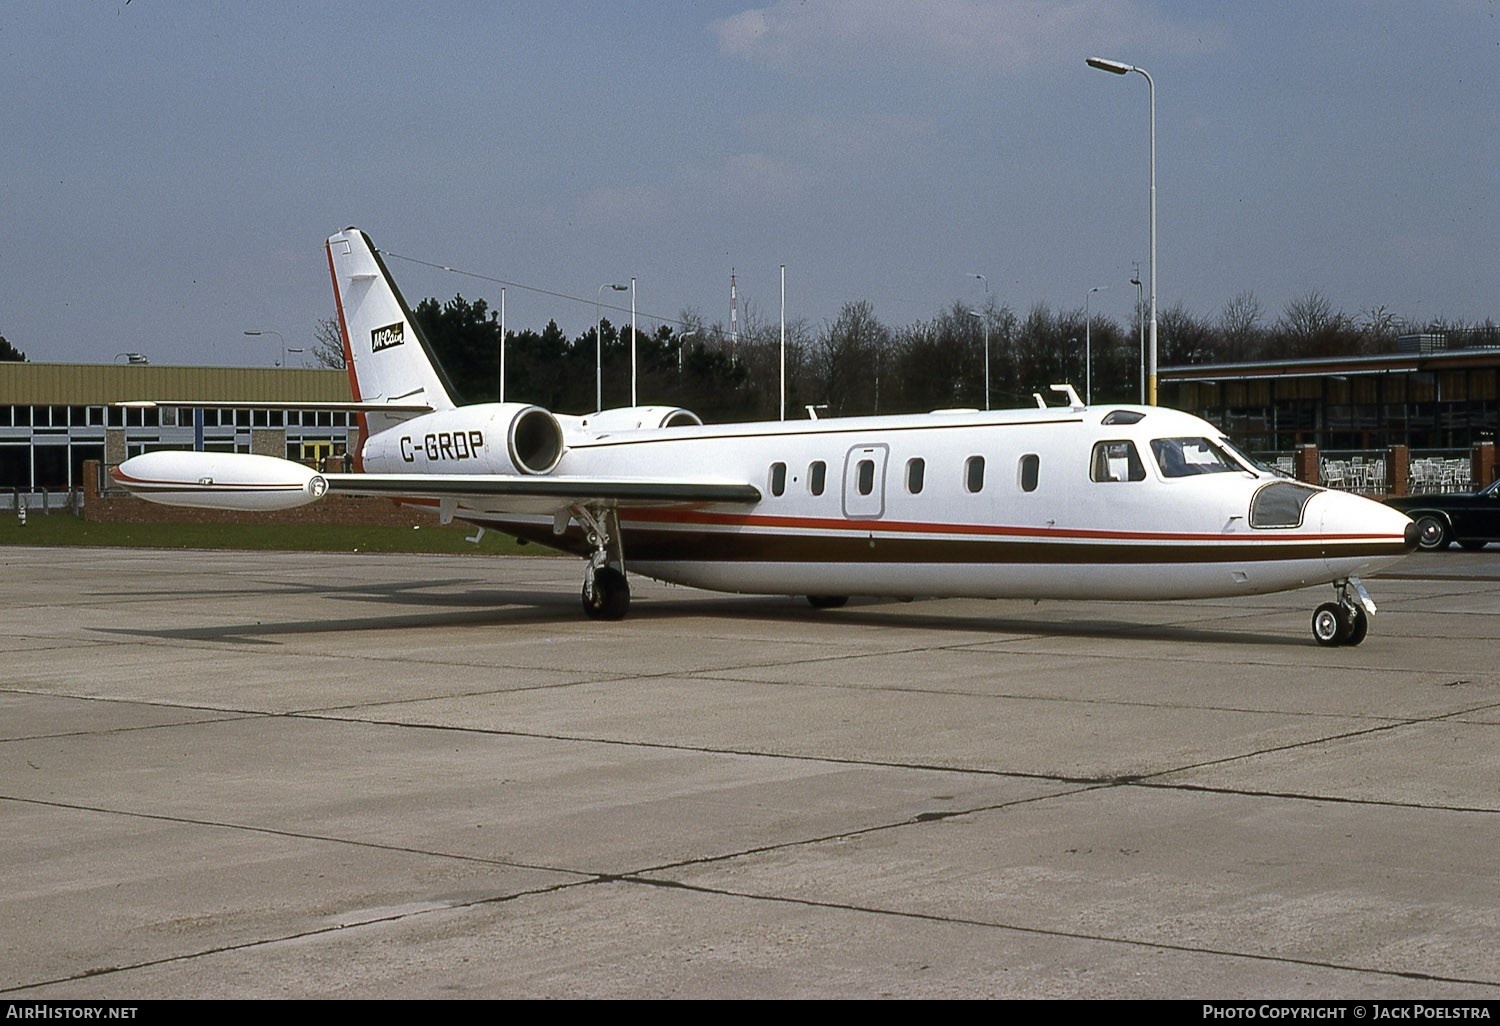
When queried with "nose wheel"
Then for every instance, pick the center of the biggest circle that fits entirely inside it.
(1347, 621)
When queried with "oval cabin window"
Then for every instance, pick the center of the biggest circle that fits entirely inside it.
(916, 471)
(974, 473)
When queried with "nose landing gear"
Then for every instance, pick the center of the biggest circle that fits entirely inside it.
(1347, 621)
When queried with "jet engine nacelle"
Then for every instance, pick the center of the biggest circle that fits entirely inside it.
(490, 438)
(636, 418)
(220, 480)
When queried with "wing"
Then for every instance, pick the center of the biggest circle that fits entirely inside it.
(496, 490)
(242, 481)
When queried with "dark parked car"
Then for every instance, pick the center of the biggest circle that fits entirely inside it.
(1469, 518)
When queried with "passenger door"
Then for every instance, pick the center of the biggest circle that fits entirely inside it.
(864, 482)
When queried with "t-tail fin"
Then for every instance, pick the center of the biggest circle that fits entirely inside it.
(388, 358)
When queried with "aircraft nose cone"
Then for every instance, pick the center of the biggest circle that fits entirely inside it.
(1363, 535)
(1411, 537)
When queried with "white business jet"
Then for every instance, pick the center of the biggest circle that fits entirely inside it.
(1056, 502)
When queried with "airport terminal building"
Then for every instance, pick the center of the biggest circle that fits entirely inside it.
(55, 416)
(1427, 396)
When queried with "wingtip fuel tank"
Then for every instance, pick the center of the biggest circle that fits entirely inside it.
(211, 480)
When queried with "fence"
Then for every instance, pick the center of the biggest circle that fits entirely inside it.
(1373, 471)
(43, 501)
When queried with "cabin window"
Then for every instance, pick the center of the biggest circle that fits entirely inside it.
(778, 478)
(1185, 457)
(916, 471)
(974, 473)
(1116, 461)
(1123, 417)
(865, 478)
(1031, 465)
(817, 476)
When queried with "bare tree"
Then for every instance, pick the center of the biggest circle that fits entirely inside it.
(328, 344)
(1241, 335)
(848, 360)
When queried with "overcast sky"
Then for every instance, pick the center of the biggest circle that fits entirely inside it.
(171, 170)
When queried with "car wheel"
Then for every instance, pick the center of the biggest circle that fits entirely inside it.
(1432, 532)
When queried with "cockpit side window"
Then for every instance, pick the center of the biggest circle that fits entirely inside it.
(1116, 461)
(1186, 457)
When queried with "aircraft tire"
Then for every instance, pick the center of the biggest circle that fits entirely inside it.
(1329, 624)
(1358, 625)
(607, 597)
(827, 601)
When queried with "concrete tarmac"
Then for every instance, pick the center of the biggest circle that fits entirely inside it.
(288, 775)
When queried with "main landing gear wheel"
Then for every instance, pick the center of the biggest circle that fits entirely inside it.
(827, 601)
(606, 594)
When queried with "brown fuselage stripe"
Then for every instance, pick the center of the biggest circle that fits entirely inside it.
(653, 545)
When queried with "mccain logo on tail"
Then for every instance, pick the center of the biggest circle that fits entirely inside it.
(390, 335)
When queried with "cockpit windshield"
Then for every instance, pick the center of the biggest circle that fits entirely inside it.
(1185, 457)
(1250, 462)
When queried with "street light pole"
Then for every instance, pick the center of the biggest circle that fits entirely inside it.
(1088, 347)
(599, 346)
(279, 335)
(986, 321)
(986, 340)
(632, 341)
(1118, 68)
(1140, 320)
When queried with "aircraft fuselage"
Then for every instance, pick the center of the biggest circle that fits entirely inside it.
(1036, 503)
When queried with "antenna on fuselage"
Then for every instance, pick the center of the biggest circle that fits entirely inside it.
(1073, 401)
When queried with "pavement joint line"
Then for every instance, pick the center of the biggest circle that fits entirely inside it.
(633, 879)
(301, 935)
(294, 835)
(222, 716)
(1144, 780)
(1412, 721)
(1067, 934)
(1141, 780)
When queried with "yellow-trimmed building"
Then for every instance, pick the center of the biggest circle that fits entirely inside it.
(54, 416)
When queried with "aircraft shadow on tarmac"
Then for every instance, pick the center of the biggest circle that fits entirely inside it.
(458, 602)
